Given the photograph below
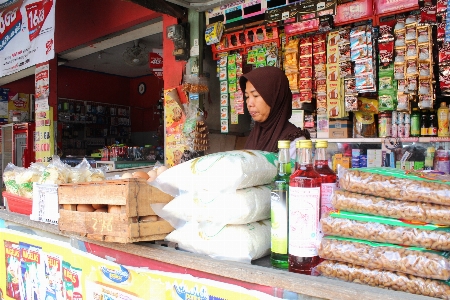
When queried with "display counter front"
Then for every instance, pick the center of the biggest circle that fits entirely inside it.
(155, 270)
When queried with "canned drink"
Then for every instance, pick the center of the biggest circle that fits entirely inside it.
(400, 117)
(407, 118)
(407, 130)
(394, 117)
(384, 124)
(401, 130)
(394, 130)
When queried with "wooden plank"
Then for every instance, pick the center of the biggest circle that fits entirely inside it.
(150, 228)
(97, 237)
(122, 240)
(72, 221)
(112, 192)
(107, 224)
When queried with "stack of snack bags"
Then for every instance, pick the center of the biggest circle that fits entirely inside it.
(19, 181)
(385, 233)
(222, 204)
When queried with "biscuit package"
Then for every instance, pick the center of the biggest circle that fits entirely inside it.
(411, 260)
(386, 279)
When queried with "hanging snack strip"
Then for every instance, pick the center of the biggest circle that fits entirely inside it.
(425, 66)
(387, 85)
(305, 70)
(333, 75)
(443, 37)
(362, 55)
(346, 71)
(224, 99)
(320, 72)
(291, 64)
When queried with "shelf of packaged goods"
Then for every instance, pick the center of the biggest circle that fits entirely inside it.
(381, 140)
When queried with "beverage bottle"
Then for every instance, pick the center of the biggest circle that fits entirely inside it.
(304, 212)
(424, 124)
(429, 159)
(328, 184)
(442, 120)
(415, 123)
(433, 124)
(279, 210)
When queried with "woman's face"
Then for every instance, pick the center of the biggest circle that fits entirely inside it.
(258, 108)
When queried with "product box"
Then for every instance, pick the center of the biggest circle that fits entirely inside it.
(340, 160)
(18, 107)
(340, 129)
(322, 127)
(127, 224)
(213, 33)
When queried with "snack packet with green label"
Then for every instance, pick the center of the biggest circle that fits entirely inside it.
(385, 279)
(387, 230)
(398, 209)
(410, 260)
(397, 184)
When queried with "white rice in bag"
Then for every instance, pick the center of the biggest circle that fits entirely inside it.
(242, 243)
(216, 173)
(240, 207)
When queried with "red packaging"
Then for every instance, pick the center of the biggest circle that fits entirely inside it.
(428, 13)
(305, 96)
(305, 84)
(320, 58)
(305, 61)
(319, 47)
(306, 49)
(319, 38)
(306, 73)
(386, 50)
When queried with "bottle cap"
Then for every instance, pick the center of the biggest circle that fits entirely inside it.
(443, 104)
(304, 144)
(321, 144)
(284, 144)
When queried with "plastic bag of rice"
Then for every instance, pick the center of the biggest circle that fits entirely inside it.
(242, 243)
(240, 207)
(217, 173)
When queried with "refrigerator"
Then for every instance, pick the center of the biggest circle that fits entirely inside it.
(18, 144)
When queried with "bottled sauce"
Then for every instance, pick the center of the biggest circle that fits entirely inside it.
(328, 184)
(279, 212)
(415, 122)
(429, 159)
(433, 124)
(424, 124)
(304, 212)
(442, 120)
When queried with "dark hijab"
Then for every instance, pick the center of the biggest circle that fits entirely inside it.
(273, 86)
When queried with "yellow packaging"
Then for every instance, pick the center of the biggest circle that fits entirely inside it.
(213, 33)
(443, 120)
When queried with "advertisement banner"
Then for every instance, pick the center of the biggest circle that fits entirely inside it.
(43, 137)
(26, 34)
(41, 268)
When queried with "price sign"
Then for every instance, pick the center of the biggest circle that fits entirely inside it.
(37, 12)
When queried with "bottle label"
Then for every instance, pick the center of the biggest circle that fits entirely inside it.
(415, 126)
(304, 209)
(278, 220)
(326, 192)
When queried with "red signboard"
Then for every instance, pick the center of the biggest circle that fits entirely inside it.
(155, 60)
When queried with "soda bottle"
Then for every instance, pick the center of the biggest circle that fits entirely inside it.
(279, 212)
(328, 178)
(304, 212)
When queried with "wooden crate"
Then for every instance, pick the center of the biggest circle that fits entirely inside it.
(133, 195)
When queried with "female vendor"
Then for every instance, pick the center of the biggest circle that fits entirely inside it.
(269, 102)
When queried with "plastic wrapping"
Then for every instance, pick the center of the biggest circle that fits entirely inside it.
(241, 243)
(26, 177)
(385, 279)
(415, 261)
(425, 235)
(9, 178)
(217, 173)
(241, 207)
(413, 211)
(394, 184)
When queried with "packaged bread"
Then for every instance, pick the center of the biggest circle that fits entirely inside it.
(411, 260)
(387, 230)
(396, 184)
(397, 209)
(385, 279)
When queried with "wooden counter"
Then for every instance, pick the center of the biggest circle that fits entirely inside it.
(248, 276)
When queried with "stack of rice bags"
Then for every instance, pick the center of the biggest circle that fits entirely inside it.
(385, 231)
(222, 204)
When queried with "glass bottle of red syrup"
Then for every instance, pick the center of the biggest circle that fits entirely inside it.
(328, 178)
(304, 212)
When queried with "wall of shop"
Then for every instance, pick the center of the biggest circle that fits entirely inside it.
(82, 21)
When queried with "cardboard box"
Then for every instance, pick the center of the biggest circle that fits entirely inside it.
(133, 196)
(340, 129)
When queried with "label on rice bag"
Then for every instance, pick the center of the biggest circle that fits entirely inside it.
(388, 221)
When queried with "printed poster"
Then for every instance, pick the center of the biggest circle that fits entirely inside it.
(26, 34)
(175, 119)
(43, 136)
(41, 268)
